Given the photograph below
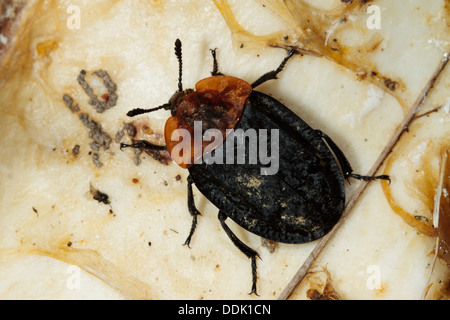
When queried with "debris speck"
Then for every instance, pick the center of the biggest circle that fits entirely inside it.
(99, 196)
(269, 244)
(76, 151)
(390, 84)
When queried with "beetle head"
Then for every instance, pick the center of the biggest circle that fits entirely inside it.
(176, 100)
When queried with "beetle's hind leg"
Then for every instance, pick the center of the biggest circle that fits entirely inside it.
(192, 210)
(345, 165)
(250, 253)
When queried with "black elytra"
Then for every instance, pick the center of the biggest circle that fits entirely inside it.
(300, 203)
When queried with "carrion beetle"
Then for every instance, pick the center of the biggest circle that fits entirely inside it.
(299, 202)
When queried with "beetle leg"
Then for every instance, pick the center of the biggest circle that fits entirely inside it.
(215, 71)
(272, 75)
(345, 165)
(192, 210)
(250, 253)
(143, 145)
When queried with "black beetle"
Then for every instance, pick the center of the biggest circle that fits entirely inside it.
(300, 202)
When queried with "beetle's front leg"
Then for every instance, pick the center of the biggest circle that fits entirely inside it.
(272, 75)
(250, 253)
(192, 210)
(143, 145)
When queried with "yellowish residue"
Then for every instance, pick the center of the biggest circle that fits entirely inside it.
(422, 185)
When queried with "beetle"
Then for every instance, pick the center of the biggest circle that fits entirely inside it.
(300, 203)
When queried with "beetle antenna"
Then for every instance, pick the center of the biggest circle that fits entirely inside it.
(179, 54)
(138, 112)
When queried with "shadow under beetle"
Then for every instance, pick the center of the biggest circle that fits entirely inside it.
(300, 203)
